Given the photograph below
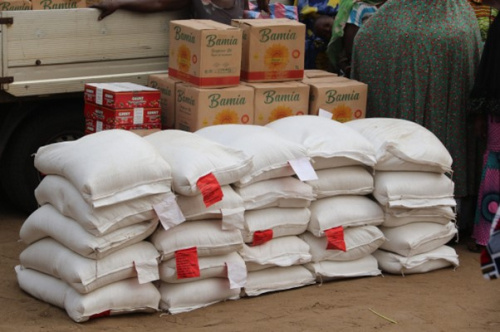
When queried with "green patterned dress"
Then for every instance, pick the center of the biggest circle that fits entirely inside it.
(419, 59)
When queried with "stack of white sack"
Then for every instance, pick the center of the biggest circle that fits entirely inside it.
(276, 208)
(200, 264)
(342, 232)
(87, 251)
(414, 188)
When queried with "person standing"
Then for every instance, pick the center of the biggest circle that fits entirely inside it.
(485, 110)
(419, 59)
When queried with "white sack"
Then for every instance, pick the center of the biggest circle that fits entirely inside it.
(206, 235)
(328, 142)
(178, 298)
(107, 167)
(346, 211)
(395, 217)
(403, 145)
(417, 238)
(441, 257)
(46, 221)
(62, 195)
(348, 180)
(84, 274)
(283, 192)
(366, 266)
(122, 297)
(269, 151)
(282, 221)
(194, 208)
(192, 156)
(210, 267)
(282, 251)
(277, 279)
(413, 189)
(359, 241)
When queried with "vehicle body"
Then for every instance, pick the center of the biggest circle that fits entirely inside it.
(46, 57)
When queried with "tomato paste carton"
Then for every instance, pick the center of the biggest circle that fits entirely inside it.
(166, 85)
(273, 50)
(205, 53)
(276, 100)
(201, 107)
(58, 4)
(121, 95)
(94, 126)
(15, 5)
(346, 100)
(121, 118)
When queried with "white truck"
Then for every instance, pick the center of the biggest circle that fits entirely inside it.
(46, 57)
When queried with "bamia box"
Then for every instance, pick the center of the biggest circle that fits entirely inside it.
(58, 4)
(15, 5)
(276, 100)
(205, 53)
(315, 73)
(126, 116)
(345, 100)
(166, 85)
(273, 50)
(121, 95)
(201, 107)
(325, 79)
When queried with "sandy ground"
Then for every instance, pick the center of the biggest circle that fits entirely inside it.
(444, 300)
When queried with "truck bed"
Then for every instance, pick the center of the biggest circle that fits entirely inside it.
(57, 51)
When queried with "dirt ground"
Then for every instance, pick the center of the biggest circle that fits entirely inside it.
(444, 300)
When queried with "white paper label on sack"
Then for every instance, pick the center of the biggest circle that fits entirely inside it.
(324, 114)
(98, 126)
(169, 213)
(233, 218)
(147, 271)
(303, 168)
(138, 115)
(98, 96)
(237, 275)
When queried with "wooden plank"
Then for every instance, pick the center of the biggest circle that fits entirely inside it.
(74, 35)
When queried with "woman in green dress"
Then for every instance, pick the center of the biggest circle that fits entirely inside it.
(419, 59)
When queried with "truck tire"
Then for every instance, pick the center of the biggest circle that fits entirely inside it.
(19, 176)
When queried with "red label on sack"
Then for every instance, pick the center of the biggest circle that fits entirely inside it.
(186, 261)
(105, 313)
(335, 238)
(210, 189)
(261, 237)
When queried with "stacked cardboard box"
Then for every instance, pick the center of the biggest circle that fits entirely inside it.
(6, 5)
(126, 106)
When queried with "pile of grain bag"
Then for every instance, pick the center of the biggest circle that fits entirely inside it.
(414, 188)
(276, 208)
(200, 264)
(342, 232)
(87, 250)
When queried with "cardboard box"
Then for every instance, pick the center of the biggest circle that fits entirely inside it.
(127, 116)
(205, 53)
(121, 95)
(276, 100)
(58, 4)
(94, 126)
(166, 85)
(273, 50)
(201, 107)
(345, 100)
(15, 5)
(325, 79)
(315, 73)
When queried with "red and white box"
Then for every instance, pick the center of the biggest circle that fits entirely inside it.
(121, 95)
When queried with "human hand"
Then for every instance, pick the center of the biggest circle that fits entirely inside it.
(107, 7)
